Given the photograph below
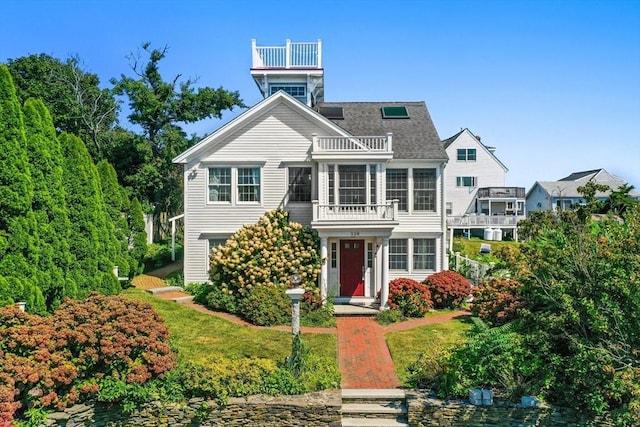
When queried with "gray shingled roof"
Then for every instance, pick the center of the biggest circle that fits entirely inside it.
(447, 142)
(567, 189)
(413, 138)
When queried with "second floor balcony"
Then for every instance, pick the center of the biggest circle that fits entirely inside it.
(352, 147)
(384, 213)
(481, 220)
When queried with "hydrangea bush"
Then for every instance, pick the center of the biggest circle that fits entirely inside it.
(265, 254)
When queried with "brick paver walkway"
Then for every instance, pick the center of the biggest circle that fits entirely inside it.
(363, 356)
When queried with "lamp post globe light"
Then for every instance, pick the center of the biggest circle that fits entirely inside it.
(295, 293)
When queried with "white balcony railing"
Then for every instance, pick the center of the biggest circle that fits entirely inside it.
(291, 55)
(484, 220)
(354, 144)
(385, 212)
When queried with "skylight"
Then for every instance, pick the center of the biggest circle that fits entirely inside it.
(332, 112)
(395, 112)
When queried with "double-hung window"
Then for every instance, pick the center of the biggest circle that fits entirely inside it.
(398, 254)
(424, 190)
(220, 184)
(424, 254)
(352, 184)
(397, 187)
(247, 182)
(467, 154)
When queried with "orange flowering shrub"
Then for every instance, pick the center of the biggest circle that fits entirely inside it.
(265, 254)
(448, 288)
(496, 300)
(409, 296)
(51, 361)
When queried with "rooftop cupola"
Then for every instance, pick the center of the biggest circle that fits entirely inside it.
(295, 68)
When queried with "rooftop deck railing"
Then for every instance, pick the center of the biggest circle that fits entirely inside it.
(291, 55)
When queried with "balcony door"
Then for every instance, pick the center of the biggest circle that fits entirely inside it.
(352, 268)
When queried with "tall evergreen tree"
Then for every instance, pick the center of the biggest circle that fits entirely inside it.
(92, 237)
(18, 227)
(117, 207)
(137, 237)
(49, 205)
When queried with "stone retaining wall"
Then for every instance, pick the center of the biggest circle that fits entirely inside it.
(320, 409)
(426, 411)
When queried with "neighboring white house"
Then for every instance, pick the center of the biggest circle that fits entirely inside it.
(367, 176)
(477, 198)
(563, 194)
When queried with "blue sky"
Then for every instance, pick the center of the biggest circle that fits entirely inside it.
(553, 85)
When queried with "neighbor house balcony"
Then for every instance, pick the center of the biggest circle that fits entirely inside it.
(291, 55)
(481, 220)
(501, 193)
(357, 148)
(366, 214)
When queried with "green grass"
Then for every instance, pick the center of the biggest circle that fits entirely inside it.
(406, 346)
(197, 335)
(472, 246)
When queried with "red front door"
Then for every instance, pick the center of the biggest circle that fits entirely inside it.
(351, 268)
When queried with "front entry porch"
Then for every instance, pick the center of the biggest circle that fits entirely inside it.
(356, 268)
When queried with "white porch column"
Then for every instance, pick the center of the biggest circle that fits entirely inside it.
(384, 289)
(323, 269)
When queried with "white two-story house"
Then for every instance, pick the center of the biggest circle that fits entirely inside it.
(478, 199)
(367, 176)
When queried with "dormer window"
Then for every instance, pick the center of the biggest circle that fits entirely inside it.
(299, 92)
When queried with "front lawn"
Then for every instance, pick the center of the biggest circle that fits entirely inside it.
(406, 346)
(197, 335)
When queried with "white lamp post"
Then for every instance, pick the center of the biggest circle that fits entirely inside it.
(295, 293)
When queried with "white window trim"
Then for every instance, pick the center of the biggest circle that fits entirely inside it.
(410, 251)
(466, 155)
(234, 183)
(460, 179)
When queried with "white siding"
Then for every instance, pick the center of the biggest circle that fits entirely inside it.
(489, 173)
(273, 141)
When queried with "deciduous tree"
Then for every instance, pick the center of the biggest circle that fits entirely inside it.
(160, 107)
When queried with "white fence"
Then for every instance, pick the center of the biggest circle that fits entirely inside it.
(470, 268)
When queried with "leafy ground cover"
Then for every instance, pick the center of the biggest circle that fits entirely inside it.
(406, 346)
(197, 335)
